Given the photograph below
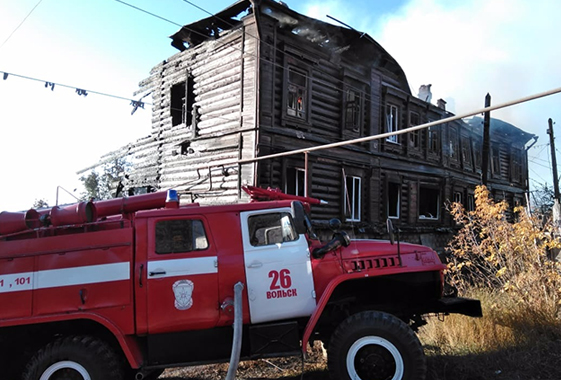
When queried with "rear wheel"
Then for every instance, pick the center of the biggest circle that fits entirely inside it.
(74, 358)
(375, 346)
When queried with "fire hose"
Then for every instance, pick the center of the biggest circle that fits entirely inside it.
(238, 327)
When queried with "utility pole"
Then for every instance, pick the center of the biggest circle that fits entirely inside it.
(553, 160)
(486, 141)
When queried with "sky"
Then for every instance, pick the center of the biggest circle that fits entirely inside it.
(465, 49)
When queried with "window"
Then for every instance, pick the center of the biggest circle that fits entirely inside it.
(434, 139)
(270, 229)
(181, 103)
(466, 153)
(180, 236)
(295, 181)
(477, 153)
(470, 202)
(296, 96)
(457, 197)
(352, 198)
(495, 162)
(454, 144)
(353, 110)
(392, 122)
(394, 198)
(429, 203)
(414, 137)
(517, 165)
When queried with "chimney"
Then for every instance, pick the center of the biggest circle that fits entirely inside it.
(424, 93)
(441, 103)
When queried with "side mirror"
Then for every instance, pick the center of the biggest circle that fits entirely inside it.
(299, 216)
(389, 226)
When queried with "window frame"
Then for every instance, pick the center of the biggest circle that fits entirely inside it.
(157, 239)
(391, 125)
(253, 231)
(414, 137)
(182, 94)
(351, 200)
(397, 214)
(290, 65)
(437, 203)
(297, 171)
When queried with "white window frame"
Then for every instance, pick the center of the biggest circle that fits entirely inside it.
(392, 122)
(297, 183)
(433, 217)
(351, 199)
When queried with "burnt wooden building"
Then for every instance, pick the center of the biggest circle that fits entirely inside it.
(259, 78)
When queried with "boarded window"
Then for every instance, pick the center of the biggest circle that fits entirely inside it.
(180, 236)
(297, 101)
(392, 122)
(394, 199)
(295, 181)
(269, 229)
(181, 102)
(429, 203)
(414, 137)
(352, 198)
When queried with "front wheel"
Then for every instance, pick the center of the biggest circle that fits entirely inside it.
(374, 345)
(74, 358)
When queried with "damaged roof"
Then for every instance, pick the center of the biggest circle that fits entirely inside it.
(337, 40)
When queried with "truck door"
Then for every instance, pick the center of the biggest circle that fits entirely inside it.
(278, 268)
(182, 275)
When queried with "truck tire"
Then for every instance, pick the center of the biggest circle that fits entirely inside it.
(373, 345)
(74, 358)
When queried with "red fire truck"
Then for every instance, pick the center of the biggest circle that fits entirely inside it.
(124, 288)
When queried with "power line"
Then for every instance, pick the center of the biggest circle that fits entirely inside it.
(80, 91)
(20, 24)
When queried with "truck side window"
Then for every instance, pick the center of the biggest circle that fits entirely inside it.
(269, 229)
(178, 236)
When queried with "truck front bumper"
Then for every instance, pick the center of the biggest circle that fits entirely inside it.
(459, 305)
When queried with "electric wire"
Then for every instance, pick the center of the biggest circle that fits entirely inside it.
(20, 24)
(79, 90)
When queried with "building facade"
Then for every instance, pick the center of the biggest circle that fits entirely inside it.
(258, 79)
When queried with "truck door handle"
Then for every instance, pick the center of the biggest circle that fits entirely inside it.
(255, 264)
(156, 273)
(140, 275)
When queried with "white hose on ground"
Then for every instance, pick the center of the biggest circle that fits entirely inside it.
(238, 327)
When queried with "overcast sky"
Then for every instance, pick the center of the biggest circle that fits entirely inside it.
(463, 48)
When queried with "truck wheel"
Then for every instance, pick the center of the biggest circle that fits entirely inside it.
(375, 346)
(74, 358)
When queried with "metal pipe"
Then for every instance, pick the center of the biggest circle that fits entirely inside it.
(238, 326)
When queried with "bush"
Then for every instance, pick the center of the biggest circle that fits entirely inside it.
(489, 252)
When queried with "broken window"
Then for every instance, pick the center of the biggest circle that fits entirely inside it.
(517, 165)
(453, 144)
(394, 198)
(295, 181)
(470, 202)
(434, 139)
(429, 203)
(495, 162)
(181, 103)
(352, 198)
(180, 236)
(296, 96)
(457, 196)
(414, 137)
(353, 109)
(392, 122)
(466, 153)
